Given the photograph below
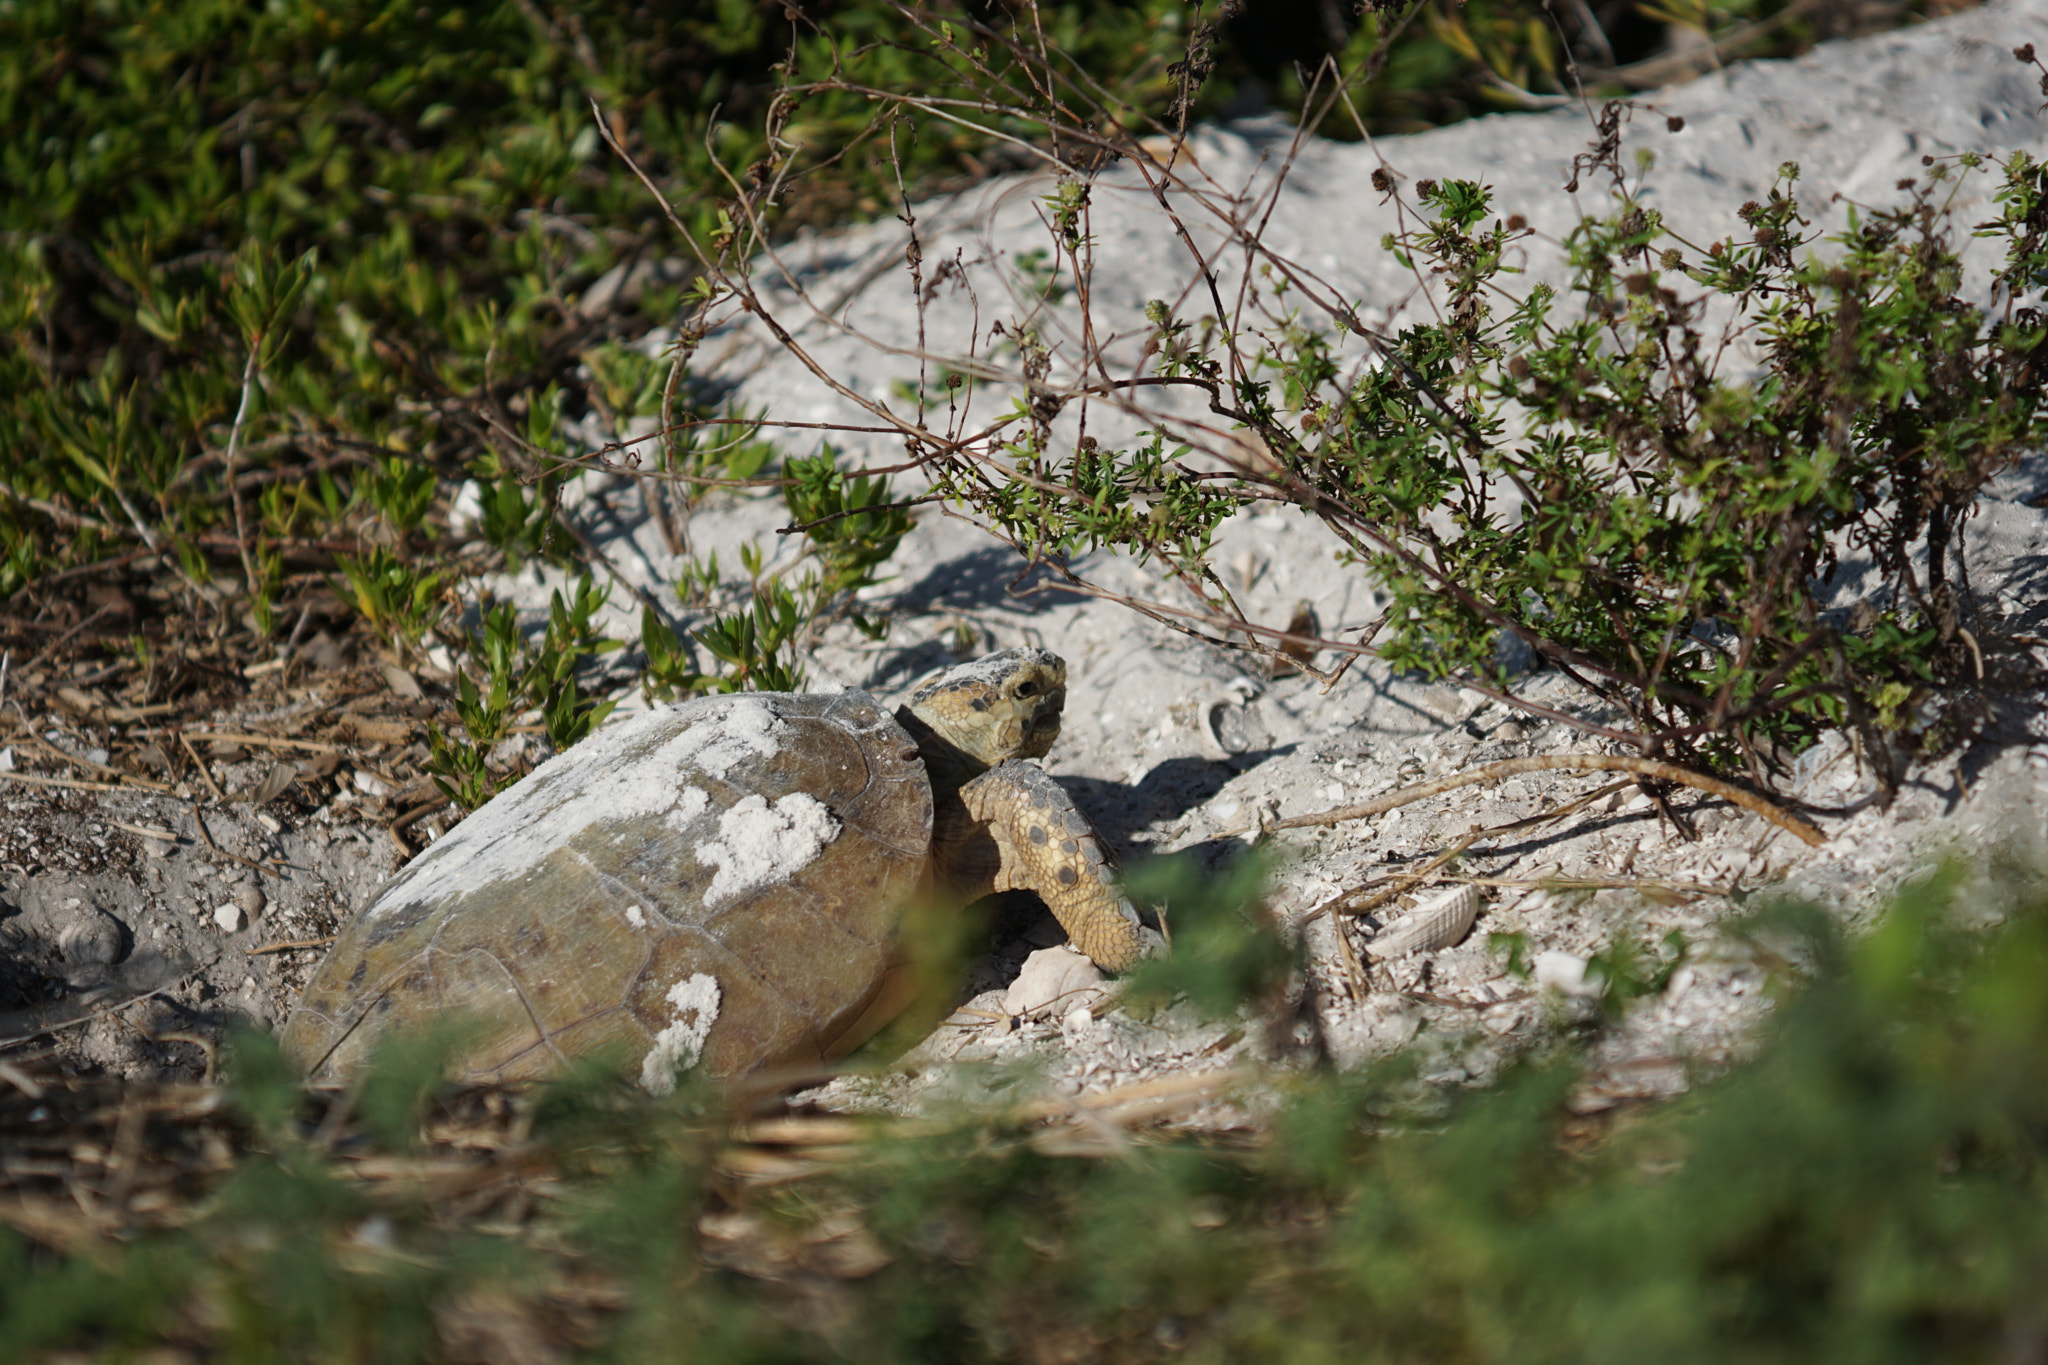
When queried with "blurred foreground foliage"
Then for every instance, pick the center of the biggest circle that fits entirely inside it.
(1868, 1188)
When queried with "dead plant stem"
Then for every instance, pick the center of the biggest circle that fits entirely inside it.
(1600, 763)
(234, 454)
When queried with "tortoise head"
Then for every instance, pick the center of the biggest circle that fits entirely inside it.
(1002, 706)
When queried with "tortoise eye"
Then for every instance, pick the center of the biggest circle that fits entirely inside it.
(1025, 689)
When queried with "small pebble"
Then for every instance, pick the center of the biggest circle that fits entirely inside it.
(1566, 974)
(1054, 976)
(251, 900)
(229, 916)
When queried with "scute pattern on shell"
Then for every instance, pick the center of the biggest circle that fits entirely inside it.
(560, 919)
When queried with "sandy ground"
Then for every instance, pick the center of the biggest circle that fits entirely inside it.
(1171, 745)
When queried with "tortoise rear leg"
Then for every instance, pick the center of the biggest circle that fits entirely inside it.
(1014, 828)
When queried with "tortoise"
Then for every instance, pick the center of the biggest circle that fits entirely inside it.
(720, 883)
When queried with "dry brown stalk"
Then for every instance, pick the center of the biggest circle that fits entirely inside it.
(311, 746)
(219, 798)
(206, 837)
(30, 1021)
(757, 1166)
(84, 1163)
(63, 639)
(1403, 882)
(1599, 763)
(397, 828)
(146, 831)
(71, 760)
(1354, 966)
(428, 1179)
(250, 579)
(794, 1131)
(81, 1163)
(50, 1222)
(21, 1080)
(1196, 1088)
(291, 946)
(1594, 884)
(68, 784)
(1406, 881)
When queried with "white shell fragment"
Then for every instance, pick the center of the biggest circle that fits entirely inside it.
(1054, 976)
(1566, 974)
(1434, 924)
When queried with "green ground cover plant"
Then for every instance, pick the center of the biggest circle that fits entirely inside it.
(280, 283)
(277, 284)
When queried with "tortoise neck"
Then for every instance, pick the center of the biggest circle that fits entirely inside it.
(948, 766)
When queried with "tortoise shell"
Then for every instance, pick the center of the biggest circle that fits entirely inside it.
(716, 884)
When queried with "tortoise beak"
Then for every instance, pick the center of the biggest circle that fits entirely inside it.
(1043, 724)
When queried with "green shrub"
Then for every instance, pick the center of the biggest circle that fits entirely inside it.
(1592, 470)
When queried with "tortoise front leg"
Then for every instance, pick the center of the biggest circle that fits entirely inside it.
(1014, 828)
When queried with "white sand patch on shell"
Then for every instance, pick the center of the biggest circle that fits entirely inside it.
(614, 776)
(748, 730)
(759, 843)
(677, 1047)
(691, 804)
(636, 917)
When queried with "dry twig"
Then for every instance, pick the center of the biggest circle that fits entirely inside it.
(1602, 763)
